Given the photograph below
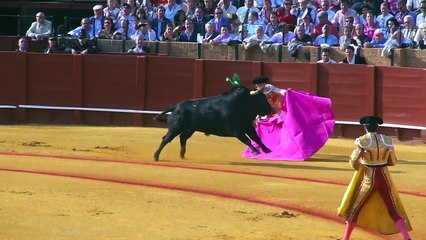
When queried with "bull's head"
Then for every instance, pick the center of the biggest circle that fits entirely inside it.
(259, 102)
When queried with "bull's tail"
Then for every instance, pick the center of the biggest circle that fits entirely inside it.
(162, 116)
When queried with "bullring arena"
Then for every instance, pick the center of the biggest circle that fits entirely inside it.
(73, 182)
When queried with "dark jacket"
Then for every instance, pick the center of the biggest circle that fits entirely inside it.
(184, 38)
(358, 60)
(154, 26)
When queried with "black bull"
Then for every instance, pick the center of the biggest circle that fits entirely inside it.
(229, 115)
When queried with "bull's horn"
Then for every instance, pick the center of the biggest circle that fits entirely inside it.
(254, 92)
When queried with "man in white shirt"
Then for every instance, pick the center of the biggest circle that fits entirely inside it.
(40, 29)
(325, 57)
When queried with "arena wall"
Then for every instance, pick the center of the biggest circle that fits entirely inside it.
(121, 81)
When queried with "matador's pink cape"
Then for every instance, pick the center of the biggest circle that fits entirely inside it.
(302, 128)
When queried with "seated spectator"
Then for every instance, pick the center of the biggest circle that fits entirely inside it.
(378, 40)
(111, 11)
(108, 31)
(235, 23)
(273, 26)
(124, 32)
(210, 32)
(421, 16)
(242, 34)
(398, 40)
(253, 22)
(84, 46)
(325, 7)
(410, 29)
(326, 38)
(351, 58)
(179, 19)
(126, 14)
(365, 8)
(160, 22)
(403, 11)
(284, 36)
(305, 8)
(200, 21)
(360, 38)
(422, 41)
(145, 30)
(307, 24)
(169, 34)
(285, 15)
(344, 16)
(371, 24)
(323, 20)
(189, 35)
(325, 56)
(266, 11)
(346, 39)
(40, 29)
(97, 20)
(219, 20)
(224, 36)
(139, 48)
(150, 9)
(189, 8)
(227, 7)
(385, 16)
(22, 45)
(255, 39)
(301, 37)
(391, 26)
(85, 28)
(53, 46)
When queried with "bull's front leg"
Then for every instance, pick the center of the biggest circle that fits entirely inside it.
(253, 136)
(244, 139)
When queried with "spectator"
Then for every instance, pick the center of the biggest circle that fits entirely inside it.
(253, 22)
(410, 30)
(413, 5)
(144, 29)
(284, 36)
(419, 34)
(224, 36)
(323, 20)
(189, 35)
(378, 40)
(304, 10)
(160, 22)
(385, 16)
(22, 45)
(199, 21)
(141, 15)
(227, 7)
(351, 58)
(284, 15)
(397, 40)
(179, 21)
(97, 20)
(188, 8)
(150, 9)
(301, 37)
(53, 46)
(339, 20)
(325, 56)
(83, 46)
(392, 25)
(421, 17)
(111, 11)
(209, 9)
(307, 24)
(108, 31)
(346, 39)
(133, 6)
(273, 26)
(235, 23)
(242, 34)
(365, 8)
(126, 14)
(139, 48)
(350, 22)
(210, 32)
(40, 29)
(244, 11)
(85, 28)
(325, 7)
(403, 11)
(219, 21)
(255, 39)
(266, 11)
(124, 32)
(360, 38)
(422, 42)
(371, 25)
(169, 34)
(326, 38)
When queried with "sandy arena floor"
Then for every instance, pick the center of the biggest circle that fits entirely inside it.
(60, 182)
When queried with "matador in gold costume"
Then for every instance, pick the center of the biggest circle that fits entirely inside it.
(371, 199)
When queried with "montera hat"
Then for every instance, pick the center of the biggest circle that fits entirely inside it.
(371, 120)
(260, 80)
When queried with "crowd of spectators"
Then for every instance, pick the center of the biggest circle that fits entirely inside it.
(383, 24)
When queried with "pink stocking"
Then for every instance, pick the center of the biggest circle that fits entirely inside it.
(400, 223)
(348, 230)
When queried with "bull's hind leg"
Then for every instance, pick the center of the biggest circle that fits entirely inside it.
(253, 136)
(243, 138)
(183, 138)
(171, 134)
